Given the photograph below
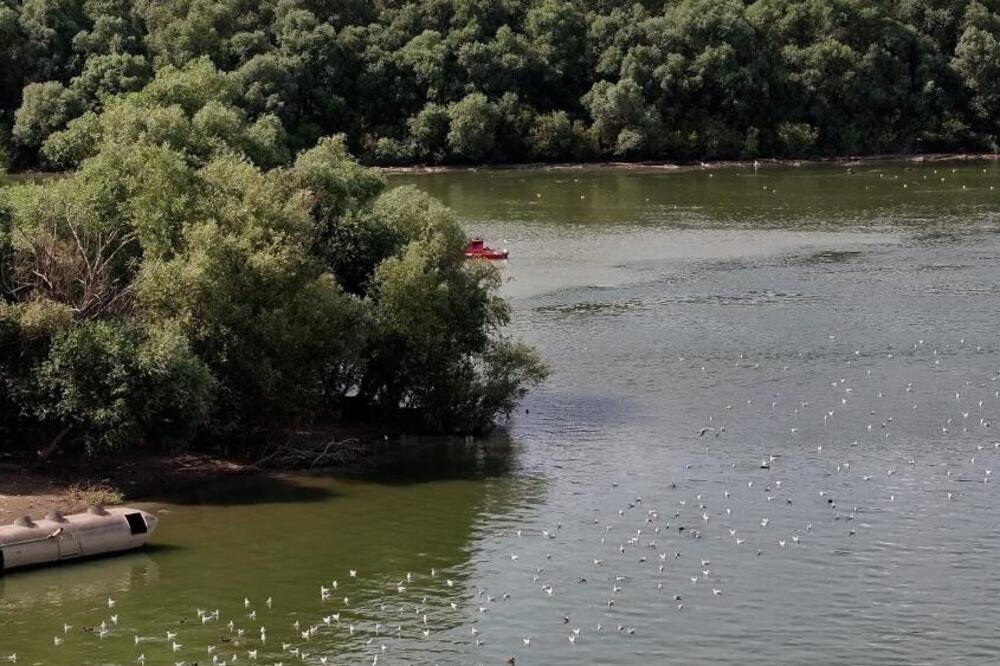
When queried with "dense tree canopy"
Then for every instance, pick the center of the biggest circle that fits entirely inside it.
(171, 287)
(507, 80)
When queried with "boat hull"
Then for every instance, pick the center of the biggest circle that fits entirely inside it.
(477, 249)
(494, 255)
(84, 535)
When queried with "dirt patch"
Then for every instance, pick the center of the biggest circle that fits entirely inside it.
(33, 484)
(107, 480)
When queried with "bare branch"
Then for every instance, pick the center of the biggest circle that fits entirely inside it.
(65, 262)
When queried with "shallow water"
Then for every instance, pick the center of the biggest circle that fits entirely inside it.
(666, 302)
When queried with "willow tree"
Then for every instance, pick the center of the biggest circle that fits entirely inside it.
(172, 289)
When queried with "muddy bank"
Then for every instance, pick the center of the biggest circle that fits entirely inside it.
(654, 165)
(75, 485)
(33, 482)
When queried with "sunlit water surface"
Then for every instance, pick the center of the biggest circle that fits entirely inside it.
(841, 327)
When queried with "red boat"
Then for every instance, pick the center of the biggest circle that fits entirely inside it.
(478, 250)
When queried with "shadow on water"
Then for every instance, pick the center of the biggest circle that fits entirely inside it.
(431, 459)
(408, 461)
(252, 489)
(153, 549)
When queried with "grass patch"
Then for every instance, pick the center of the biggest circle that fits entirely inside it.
(98, 493)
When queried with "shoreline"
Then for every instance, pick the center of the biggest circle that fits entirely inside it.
(110, 480)
(660, 165)
(30, 485)
(648, 165)
(75, 483)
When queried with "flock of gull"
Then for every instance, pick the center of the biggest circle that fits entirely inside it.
(584, 577)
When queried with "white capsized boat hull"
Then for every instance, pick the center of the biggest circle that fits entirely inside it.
(58, 538)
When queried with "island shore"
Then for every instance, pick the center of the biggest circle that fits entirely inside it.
(25, 491)
(648, 165)
(656, 165)
(32, 483)
(74, 482)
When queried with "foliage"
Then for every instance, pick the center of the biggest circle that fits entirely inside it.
(46, 108)
(111, 74)
(429, 130)
(436, 347)
(554, 136)
(797, 138)
(472, 127)
(120, 385)
(189, 109)
(6, 222)
(433, 80)
(977, 61)
(623, 121)
(171, 288)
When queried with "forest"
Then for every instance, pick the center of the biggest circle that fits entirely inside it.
(489, 81)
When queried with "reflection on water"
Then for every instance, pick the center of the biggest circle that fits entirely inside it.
(769, 438)
(278, 539)
(80, 581)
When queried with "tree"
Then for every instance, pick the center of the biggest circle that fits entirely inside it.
(717, 78)
(472, 127)
(429, 130)
(189, 277)
(46, 108)
(49, 27)
(623, 120)
(347, 239)
(435, 350)
(268, 85)
(111, 74)
(504, 63)
(220, 30)
(554, 136)
(121, 386)
(12, 54)
(427, 55)
(6, 245)
(191, 110)
(111, 27)
(977, 61)
(557, 29)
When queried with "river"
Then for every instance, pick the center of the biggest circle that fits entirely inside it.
(768, 439)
